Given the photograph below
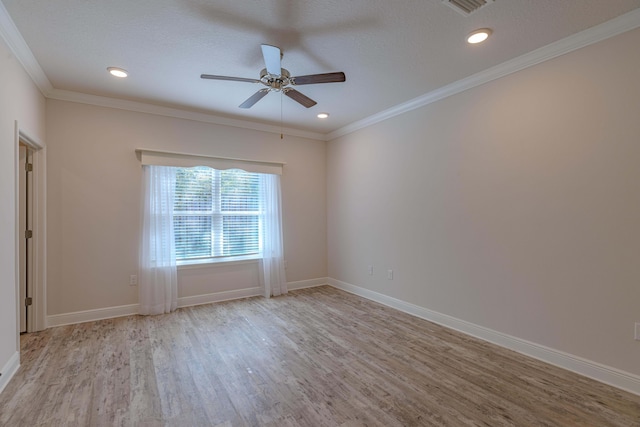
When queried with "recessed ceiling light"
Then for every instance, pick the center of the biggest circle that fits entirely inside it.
(117, 72)
(478, 36)
(323, 115)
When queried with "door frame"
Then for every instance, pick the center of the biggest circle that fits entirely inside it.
(24, 222)
(37, 319)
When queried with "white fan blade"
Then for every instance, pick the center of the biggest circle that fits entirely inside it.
(271, 56)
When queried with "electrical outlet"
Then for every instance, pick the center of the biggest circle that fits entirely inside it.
(637, 335)
(390, 274)
(133, 280)
(370, 270)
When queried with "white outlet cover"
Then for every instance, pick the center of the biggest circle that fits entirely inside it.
(637, 335)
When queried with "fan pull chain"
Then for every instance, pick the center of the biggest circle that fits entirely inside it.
(281, 129)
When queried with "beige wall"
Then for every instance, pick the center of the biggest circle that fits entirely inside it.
(94, 180)
(19, 100)
(514, 205)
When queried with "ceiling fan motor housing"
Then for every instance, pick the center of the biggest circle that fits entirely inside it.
(276, 83)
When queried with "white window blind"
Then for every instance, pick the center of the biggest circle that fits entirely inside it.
(216, 213)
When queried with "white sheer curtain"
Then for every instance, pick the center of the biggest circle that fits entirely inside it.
(158, 281)
(273, 274)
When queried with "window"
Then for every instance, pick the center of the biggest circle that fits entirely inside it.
(216, 213)
(221, 213)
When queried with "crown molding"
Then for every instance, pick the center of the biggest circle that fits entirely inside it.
(12, 37)
(142, 107)
(16, 43)
(619, 25)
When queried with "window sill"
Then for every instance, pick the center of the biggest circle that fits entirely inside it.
(212, 262)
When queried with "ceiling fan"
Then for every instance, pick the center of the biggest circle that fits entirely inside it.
(278, 79)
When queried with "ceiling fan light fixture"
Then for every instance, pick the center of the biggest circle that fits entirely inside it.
(117, 72)
(323, 115)
(478, 36)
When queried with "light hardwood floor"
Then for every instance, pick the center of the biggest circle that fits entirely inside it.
(316, 357)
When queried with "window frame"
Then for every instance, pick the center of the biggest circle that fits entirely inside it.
(217, 215)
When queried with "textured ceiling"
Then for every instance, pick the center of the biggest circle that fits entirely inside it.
(391, 51)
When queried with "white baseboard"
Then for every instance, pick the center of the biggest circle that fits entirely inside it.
(91, 315)
(602, 373)
(127, 310)
(219, 296)
(9, 370)
(311, 283)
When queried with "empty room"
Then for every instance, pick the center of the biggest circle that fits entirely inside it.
(305, 213)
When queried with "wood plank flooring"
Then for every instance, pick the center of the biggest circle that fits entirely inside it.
(316, 357)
